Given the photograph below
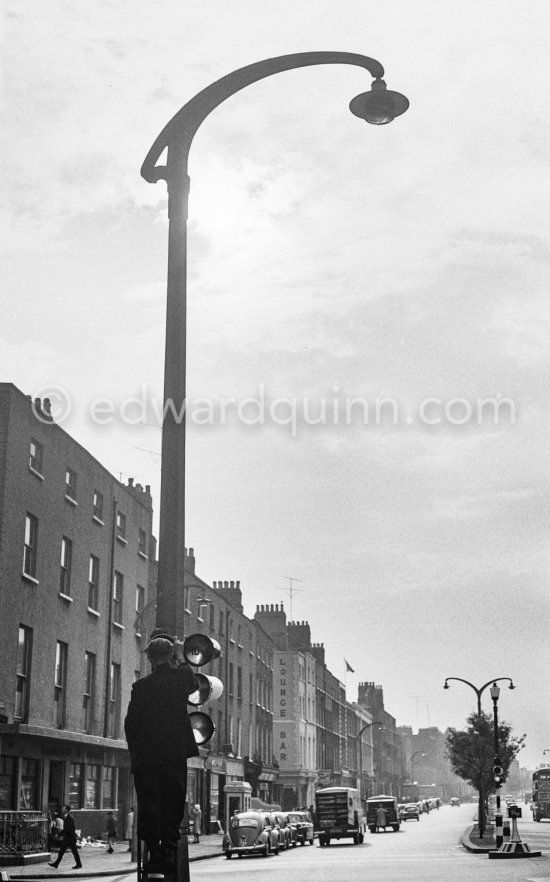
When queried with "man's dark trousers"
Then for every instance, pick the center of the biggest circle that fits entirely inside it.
(161, 804)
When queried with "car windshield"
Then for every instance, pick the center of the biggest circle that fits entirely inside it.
(294, 818)
(244, 822)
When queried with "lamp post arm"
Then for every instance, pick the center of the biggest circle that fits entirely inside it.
(181, 129)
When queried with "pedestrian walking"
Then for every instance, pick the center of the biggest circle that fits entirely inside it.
(112, 832)
(160, 740)
(130, 827)
(381, 816)
(196, 814)
(69, 840)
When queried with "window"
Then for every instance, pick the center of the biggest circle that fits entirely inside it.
(23, 673)
(30, 775)
(118, 594)
(88, 698)
(36, 456)
(121, 526)
(31, 544)
(92, 787)
(66, 564)
(7, 779)
(60, 688)
(140, 598)
(93, 582)
(142, 542)
(221, 629)
(230, 679)
(239, 682)
(70, 484)
(76, 779)
(98, 506)
(114, 701)
(108, 787)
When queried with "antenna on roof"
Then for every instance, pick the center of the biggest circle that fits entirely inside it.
(291, 589)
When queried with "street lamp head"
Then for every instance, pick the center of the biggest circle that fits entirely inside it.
(446, 685)
(495, 692)
(379, 106)
(511, 686)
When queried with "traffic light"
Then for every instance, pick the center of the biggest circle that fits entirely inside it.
(497, 772)
(198, 650)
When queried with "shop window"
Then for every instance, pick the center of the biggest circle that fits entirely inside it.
(76, 779)
(28, 796)
(7, 780)
(92, 787)
(108, 787)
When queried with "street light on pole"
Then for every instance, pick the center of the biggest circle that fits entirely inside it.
(359, 734)
(479, 691)
(379, 106)
(416, 753)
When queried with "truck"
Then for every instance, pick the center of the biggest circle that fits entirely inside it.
(540, 805)
(339, 815)
(409, 792)
(391, 812)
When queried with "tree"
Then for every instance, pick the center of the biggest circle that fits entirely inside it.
(471, 752)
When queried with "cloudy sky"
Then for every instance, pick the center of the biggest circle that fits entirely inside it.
(329, 262)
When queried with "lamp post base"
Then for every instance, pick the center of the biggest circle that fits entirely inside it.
(514, 850)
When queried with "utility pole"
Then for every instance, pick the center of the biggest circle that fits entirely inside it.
(291, 589)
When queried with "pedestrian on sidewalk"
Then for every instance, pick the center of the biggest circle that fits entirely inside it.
(197, 821)
(69, 840)
(130, 827)
(112, 832)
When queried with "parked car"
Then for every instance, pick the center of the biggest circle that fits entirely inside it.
(250, 833)
(302, 823)
(454, 801)
(287, 833)
(410, 812)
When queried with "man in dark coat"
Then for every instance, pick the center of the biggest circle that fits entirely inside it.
(160, 740)
(69, 839)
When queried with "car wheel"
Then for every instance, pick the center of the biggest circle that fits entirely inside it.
(311, 842)
(355, 839)
(229, 855)
(265, 852)
(361, 838)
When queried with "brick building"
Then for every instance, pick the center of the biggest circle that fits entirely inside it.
(75, 548)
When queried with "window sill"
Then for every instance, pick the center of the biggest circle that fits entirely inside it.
(118, 625)
(137, 634)
(143, 555)
(122, 540)
(29, 578)
(71, 500)
(93, 612)
(36, 473)
(232, 641)
(239, 645)
(199, 619)
(97, 520)
(66, 597)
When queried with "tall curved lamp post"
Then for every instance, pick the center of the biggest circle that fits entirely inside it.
(479, 691)
(416, 753)
(359, 734)
(378, 106)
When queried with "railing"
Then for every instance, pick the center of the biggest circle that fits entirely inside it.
(23, 833)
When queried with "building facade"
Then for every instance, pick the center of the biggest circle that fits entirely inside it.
(75, 549)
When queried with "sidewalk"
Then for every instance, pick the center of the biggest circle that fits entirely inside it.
(97, 862)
